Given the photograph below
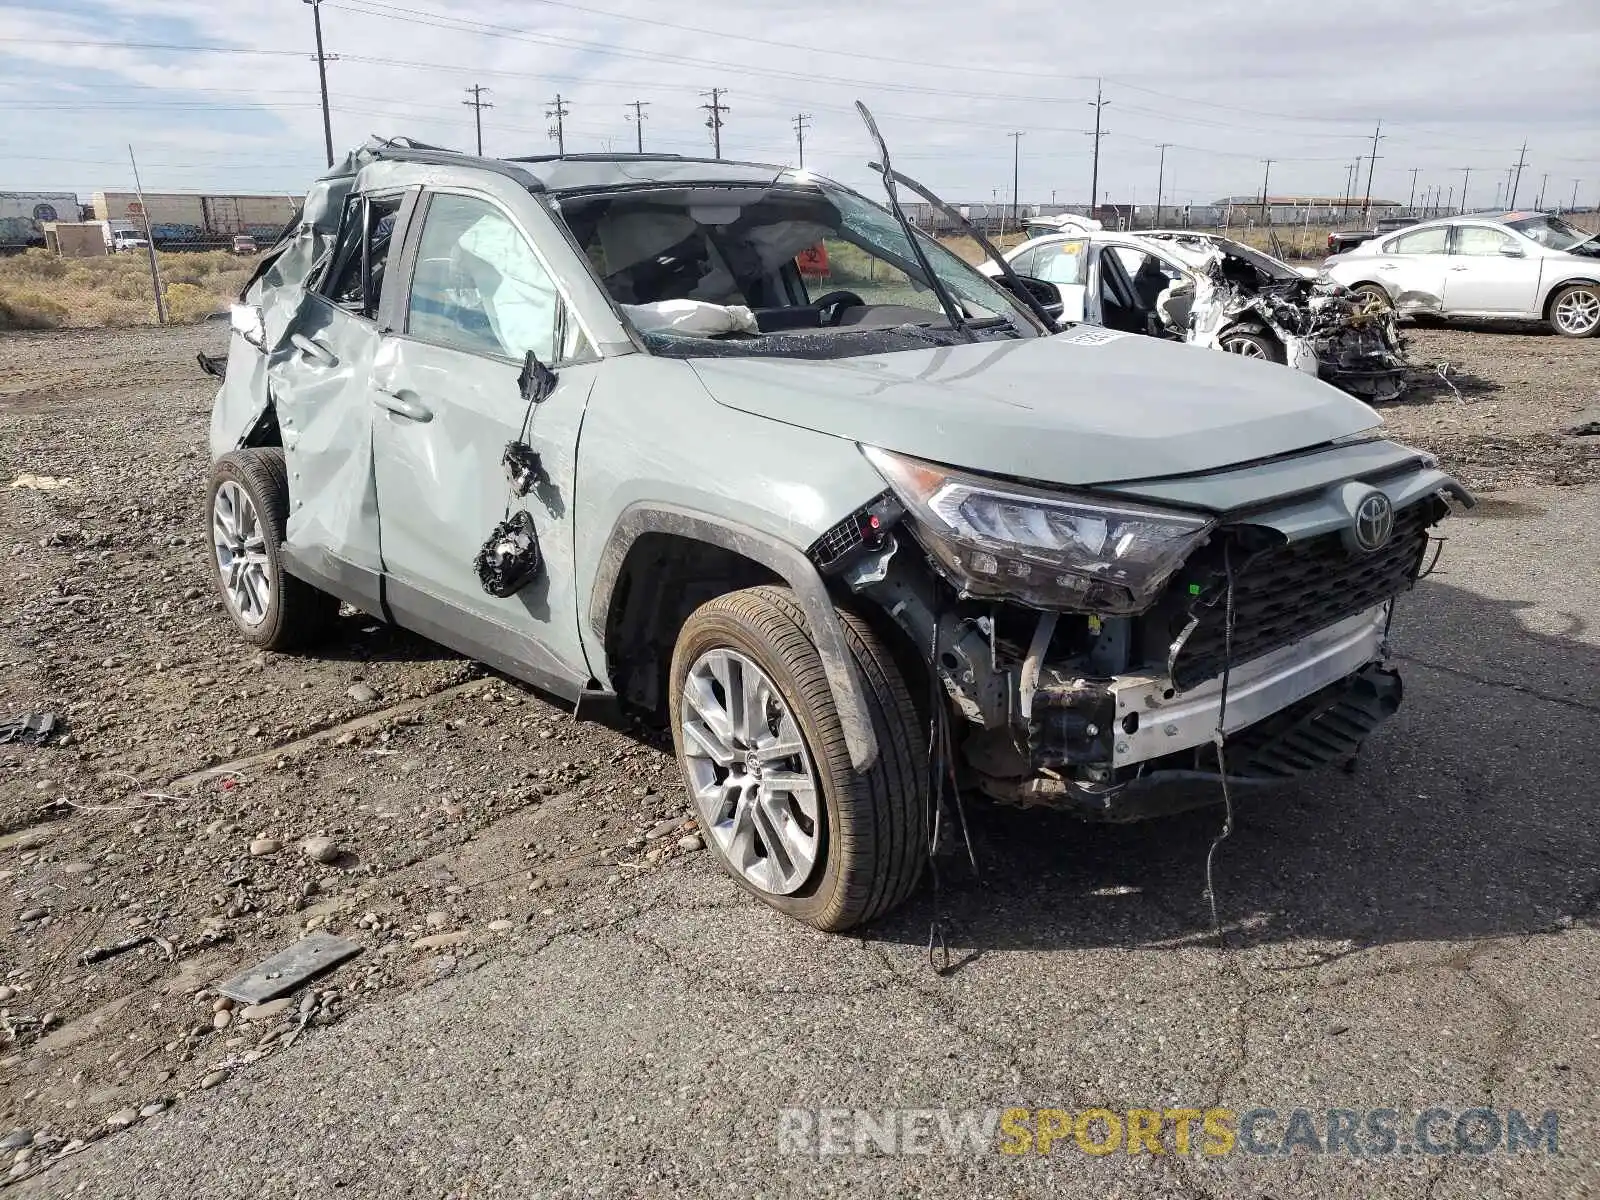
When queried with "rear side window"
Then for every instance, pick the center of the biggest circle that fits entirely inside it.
(355, 279)
(1423, 241)
(479, 287)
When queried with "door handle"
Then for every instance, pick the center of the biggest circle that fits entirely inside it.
(313, 350)
(402, 405)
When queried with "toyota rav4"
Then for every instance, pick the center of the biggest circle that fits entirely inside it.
(862, 539)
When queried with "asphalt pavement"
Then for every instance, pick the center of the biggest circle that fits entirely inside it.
(1420, 933)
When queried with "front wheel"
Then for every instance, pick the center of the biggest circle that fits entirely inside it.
(768, 771)
(1575, 310)
(1251, 343)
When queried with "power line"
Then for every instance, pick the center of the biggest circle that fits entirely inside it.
(478, 104)
(714, 122)
(638, 107)
(802, 122)
(558, 130)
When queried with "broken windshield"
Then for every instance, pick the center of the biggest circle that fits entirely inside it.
(1556, 234)
(799, 257)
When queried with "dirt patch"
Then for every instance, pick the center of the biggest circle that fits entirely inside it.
(461, 806)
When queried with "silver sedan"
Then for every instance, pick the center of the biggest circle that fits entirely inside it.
(1516, 265)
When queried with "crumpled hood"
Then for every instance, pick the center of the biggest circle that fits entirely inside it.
(1086, 406)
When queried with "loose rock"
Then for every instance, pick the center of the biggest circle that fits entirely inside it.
(151, 1109)
(321, 849)
(437, 941)
(361, 693)
(221, 1020)
(33, 914)
(691, 843)
(212, 1079)
(263, 846)
(265, 1012)
(123, 1118)
(16, 1140)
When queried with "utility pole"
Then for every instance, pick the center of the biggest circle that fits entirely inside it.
(1094, 178)
(1497, 193)
(1573, 207)
(714, 122)
(149, 242)
(1543, 183)
(638, 107)
(1366, 205)
(1161, 177)
(802, 122)
(1266, 217)
(322, 76)
(478, 104)
(559, 130)
(1466, 178)
(1016, 137)
(1411, 204)
(1450, 200)
(1522, 161)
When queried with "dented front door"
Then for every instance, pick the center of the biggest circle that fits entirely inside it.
(446, 402)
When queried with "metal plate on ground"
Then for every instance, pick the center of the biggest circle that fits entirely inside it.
(289, 968)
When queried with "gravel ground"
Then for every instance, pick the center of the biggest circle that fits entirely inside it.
(556, 992)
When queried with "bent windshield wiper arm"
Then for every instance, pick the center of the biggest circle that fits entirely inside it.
(946, 300)
(967, 227)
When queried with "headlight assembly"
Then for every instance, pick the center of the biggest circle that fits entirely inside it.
(1054, 550)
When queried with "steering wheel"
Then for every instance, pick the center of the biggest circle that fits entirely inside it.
(838, 301)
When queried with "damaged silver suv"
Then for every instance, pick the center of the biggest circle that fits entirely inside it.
(732, 445)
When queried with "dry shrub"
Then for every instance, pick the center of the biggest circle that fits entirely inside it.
(189, 305)
(23, 309)
(114, 290)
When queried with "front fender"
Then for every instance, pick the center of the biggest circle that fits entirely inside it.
(827, 631)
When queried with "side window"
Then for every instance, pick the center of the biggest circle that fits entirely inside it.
(1479, 240)
(355, 280)
(1024, 263)
(479, 287)
(1423, 241)
(1061, 262)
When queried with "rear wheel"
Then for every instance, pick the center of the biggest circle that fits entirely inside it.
(1575, 310)
(1252, 343)
(768, 771)
(249, 509)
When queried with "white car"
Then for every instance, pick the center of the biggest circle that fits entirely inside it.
(1221, 294)
(1519, 265)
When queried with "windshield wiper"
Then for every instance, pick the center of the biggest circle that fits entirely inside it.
(966, 226)
(946, 300)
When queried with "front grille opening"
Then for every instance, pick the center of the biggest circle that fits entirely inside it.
(1286, 593)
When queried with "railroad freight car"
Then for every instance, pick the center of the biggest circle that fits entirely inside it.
(194, 218)
(23, 215)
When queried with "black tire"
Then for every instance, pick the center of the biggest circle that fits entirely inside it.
(874, 825)
(1585, 321)
(1261, 345)
(295, 614)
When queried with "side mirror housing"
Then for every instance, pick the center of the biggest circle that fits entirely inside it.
(1042, 290)
(536, 381)
(1513, 252)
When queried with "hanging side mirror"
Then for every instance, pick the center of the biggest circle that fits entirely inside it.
(536, 381)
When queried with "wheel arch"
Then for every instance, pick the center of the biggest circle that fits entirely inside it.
(657, 551)
(1550, 295)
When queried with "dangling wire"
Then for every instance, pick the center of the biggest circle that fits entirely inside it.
(1219, 740)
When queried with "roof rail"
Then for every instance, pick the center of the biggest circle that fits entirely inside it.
(588, 156)
(415, 153)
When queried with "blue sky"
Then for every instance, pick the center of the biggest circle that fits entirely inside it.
(1227, 84)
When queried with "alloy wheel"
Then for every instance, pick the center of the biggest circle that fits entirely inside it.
(1578, 311)
(241, 548)
(750, 772)
(1244, 347)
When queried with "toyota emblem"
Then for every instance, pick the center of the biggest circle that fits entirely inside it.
(1374, 522)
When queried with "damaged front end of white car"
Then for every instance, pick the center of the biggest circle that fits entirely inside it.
(1315, 325)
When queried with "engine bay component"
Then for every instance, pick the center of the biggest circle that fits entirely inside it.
(510, 559)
